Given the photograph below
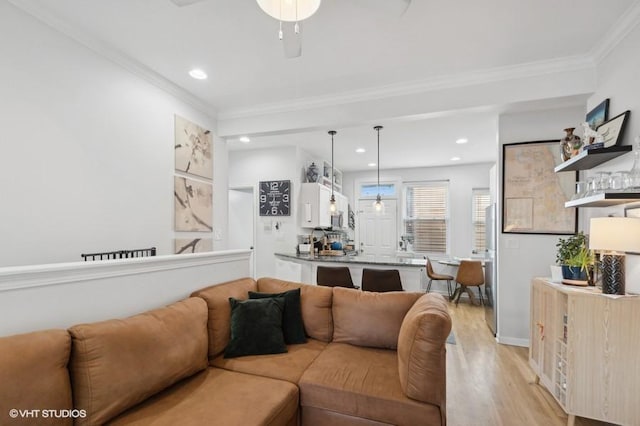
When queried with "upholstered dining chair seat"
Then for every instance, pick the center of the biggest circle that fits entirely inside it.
(470, 274)
(434, 276)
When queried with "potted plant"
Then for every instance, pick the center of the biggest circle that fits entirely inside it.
(575, 257)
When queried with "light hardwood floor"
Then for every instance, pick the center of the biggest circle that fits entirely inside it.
(492, 384)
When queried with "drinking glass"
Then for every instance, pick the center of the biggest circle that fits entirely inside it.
(581, 189)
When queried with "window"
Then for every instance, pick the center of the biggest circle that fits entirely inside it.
(479, 203)
(426, 220)
(371, 190)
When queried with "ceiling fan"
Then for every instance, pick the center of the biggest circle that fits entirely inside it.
(289, 13)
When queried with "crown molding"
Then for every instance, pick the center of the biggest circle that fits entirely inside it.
(623, 26)
(491, 75)
(104, 50)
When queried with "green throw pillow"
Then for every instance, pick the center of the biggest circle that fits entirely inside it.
(256, 327)
(292, 324)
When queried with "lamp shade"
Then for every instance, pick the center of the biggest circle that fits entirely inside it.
(289, 10)
(615, 234)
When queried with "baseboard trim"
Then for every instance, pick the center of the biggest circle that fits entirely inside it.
(513, 341)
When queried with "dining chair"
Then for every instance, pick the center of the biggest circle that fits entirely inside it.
(381, 280)
(433, 276)
(470, 274)
(334, 276)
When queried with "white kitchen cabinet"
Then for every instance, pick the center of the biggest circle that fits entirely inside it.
(314, 206)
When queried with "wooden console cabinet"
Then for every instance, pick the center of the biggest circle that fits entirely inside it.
(585, 349)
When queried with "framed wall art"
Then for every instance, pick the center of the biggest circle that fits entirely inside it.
(613, 130)
(598, 115)
(193, 148)
(533, 196)
(193, 203)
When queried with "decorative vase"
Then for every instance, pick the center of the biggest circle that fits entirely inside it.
(313, 173)
(570, 145)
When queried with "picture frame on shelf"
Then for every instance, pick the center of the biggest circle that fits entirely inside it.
(598, 115)
(613, 129)
(533, 195)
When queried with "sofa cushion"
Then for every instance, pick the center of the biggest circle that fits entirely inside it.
(218, 397)
(292, 325)
(217, 298)
(421, 349)
(287, 366)
(315, 303)
(366, 318)
(34, 375)
(362, 382)
(116, 364)
(256, 327)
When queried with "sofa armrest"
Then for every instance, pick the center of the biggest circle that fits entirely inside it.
(421, 350)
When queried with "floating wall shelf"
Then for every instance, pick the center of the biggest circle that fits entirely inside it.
(591, 158)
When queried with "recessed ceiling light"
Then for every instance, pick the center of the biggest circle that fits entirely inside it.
(462, 140)
(198, 74)
(361, 150)
(371, 164)
(455, 158)
(245, 139)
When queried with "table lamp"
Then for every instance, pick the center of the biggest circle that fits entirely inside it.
(614, 236)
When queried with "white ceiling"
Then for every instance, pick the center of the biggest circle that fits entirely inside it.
(348, 45)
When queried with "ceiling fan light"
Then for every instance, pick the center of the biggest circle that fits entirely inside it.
(289, 10)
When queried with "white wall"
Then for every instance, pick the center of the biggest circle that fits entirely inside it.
(248, 168)
(520, 256)
(87, 159)
(618, 80)
(462, 179)
(63, 294)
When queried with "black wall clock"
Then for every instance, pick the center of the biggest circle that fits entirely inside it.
(275, 198)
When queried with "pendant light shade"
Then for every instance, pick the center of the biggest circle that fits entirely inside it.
(289, 10)
(378, 205)
(332, 202)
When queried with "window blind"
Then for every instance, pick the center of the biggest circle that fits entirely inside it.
(426, 216)
(479, 202)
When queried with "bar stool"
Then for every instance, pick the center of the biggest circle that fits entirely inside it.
(437, 277)
(381, 280)
(334, 276)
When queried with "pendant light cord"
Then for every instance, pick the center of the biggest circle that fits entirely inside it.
(378, 128)
(332, 133)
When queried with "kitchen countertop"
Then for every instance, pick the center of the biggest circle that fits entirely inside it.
(400, 261)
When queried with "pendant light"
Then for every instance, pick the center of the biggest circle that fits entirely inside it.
(378, 205)
(332, 202)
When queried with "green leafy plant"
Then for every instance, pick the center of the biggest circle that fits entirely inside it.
(583, 259)
(570, 248)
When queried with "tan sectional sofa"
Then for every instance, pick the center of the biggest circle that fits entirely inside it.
(370, 359)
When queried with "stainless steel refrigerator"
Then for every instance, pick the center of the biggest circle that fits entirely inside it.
(490, 279)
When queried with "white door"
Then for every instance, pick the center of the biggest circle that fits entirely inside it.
(378, 232)
(242, 221)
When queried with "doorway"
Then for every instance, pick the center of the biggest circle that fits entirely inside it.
(377, 231)
(242, 212)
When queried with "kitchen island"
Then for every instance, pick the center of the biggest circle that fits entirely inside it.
(303, 268)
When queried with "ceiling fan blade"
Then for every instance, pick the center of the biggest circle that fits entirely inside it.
(181, 3)
(291, 42)
(407, 3)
